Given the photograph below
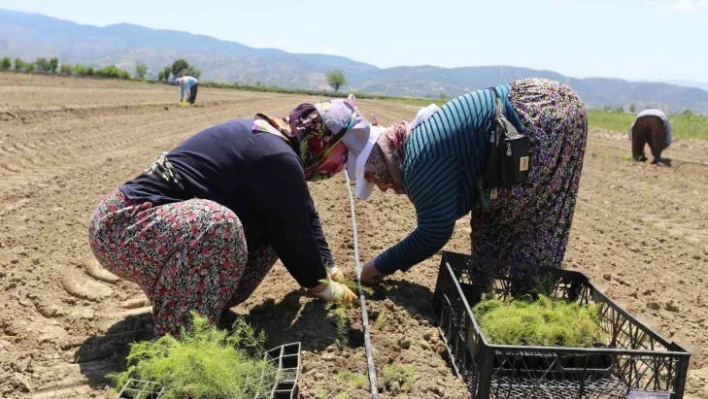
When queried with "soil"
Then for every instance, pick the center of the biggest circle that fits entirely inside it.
(639, 232)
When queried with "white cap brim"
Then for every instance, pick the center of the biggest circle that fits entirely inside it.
(364, 187)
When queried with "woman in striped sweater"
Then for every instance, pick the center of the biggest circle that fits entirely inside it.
(438, 162)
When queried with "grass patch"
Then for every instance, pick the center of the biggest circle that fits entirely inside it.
(204, 362)
(399, 374)
(319, 391)
(353, 380)
(685, 125)
(341, 323)
(544, 322)
(380, 321)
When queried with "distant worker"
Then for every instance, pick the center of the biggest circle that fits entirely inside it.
(189, 84)
(651, 127)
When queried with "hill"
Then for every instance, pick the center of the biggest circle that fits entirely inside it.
(29, 36)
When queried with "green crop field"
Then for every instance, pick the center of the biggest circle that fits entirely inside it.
(684, 125)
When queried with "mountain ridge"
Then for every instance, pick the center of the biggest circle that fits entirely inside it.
(28, 36)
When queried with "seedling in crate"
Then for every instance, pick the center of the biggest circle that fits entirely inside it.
(544, 322)
(632, 358)
(204, 362)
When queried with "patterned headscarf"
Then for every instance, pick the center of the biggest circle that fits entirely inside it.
(321, 151)
(385, 163)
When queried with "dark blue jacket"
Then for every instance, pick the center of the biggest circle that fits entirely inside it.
(261, 179)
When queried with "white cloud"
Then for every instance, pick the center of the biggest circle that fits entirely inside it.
(680, 6)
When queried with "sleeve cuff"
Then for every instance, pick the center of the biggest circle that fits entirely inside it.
(385, 263)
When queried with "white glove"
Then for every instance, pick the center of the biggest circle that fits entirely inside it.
(336, 292)
(335, 274)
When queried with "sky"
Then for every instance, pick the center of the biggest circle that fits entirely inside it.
(656, 40)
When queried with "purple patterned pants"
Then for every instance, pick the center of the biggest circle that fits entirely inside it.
(529, 224)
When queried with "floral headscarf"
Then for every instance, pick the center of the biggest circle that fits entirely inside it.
(321, 151)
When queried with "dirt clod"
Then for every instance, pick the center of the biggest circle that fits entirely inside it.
(135, 303)
(102, 274)
(22, 364)
(672, 307)
(85, 288)
(22, 382)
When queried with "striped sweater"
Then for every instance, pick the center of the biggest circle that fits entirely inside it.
(443, 159)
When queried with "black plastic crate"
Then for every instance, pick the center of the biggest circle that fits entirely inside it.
(135, 388)
(285, 357)
(635, 362)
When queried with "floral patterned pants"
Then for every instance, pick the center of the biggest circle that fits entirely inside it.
(186, 256)
(529, 224)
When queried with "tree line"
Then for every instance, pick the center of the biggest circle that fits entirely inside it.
(54, 67)
(178, 68)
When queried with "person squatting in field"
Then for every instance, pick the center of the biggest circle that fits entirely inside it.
(188, 88)
(651, 126)
(202, 226)
(437, 164)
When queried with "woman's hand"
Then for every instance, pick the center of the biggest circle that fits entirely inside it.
(335, 274)
(332, 291)
(370, 275)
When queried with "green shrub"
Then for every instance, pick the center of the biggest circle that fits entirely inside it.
(83, 70)
(19, 64)
(42, 65)
(544, 322)
(112, 72)
(140, 71)
(5, 64)
(336, 79)
(204, 362)
(80, 70)
(66, 69)
(53, 65)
